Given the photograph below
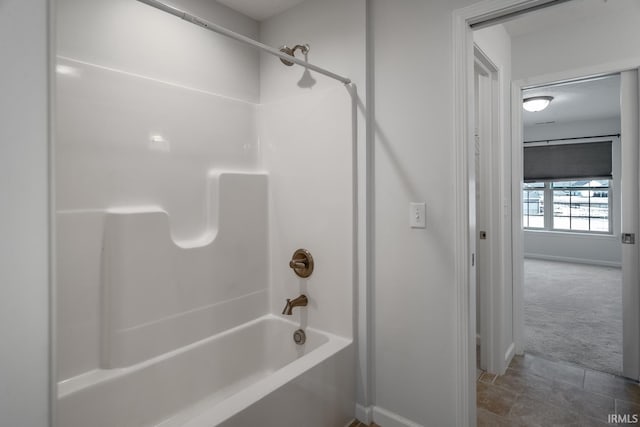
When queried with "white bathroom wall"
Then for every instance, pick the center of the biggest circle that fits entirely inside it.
(308, 148)
(308, 142)
(24, 218)
(309, 161)
(415, 294)
(580, 247)
(415, 300)
(147, 107)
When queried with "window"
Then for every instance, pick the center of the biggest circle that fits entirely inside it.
(582, 206)
(533, 209)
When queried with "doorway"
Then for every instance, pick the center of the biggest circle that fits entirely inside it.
(463, 51)
(571, 219)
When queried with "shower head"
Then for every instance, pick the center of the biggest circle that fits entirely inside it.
(292, 52)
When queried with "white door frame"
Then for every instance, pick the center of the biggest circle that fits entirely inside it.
(463, 68)
(463, 134)
(629, 203)
(490, 282)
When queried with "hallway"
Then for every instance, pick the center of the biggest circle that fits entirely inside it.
(536, 391)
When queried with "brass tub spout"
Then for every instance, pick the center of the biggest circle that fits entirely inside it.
(300, 301)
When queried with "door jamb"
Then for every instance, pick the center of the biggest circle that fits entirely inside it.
(488, 254)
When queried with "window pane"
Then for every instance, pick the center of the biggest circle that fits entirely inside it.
(600, 210)
(533, 205)
(534, 185)
(561, 211)
(599, 183)
(567, 184)
(561, 223)
(581, 205)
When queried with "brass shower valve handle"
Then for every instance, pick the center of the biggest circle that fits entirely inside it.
(302, 263)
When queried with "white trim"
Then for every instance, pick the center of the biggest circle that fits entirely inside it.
(491, 283)
(53, 274)
(573, 234)
(573, 260)
(463, 55)
(517, 235)
(629, 196)
(462, 46)
(390, 419)
(509, 10)
(508, 355)
(364, 241)
(595, 70)
(364, 414)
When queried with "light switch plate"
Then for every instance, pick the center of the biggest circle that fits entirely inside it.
(417, 215)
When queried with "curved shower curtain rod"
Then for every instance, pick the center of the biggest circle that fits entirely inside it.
(239, 37)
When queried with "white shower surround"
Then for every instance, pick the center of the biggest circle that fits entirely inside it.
(109, 162)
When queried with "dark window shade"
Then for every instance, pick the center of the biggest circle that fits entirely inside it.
(567, 161)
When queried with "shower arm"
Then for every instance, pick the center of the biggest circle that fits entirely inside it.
(303, 48)
(239, 37)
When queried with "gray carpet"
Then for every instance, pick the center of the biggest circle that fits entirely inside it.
(573, 312)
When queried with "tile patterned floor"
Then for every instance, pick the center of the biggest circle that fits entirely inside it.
(539, 392)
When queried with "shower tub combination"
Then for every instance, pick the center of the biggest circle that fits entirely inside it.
(155, 330)
(187, 338)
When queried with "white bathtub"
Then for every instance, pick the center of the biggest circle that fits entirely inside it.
(253, 374)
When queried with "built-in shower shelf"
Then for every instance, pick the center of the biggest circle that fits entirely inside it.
(204, 239)
(160, 294)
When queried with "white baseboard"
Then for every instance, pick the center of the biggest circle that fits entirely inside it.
(364, 414)
(508, 356)
(389, 419)
(575, 260)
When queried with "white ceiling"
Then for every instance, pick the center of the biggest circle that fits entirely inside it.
(260, 9)
(584, 100)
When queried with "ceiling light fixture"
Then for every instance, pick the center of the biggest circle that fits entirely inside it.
(536, 103)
